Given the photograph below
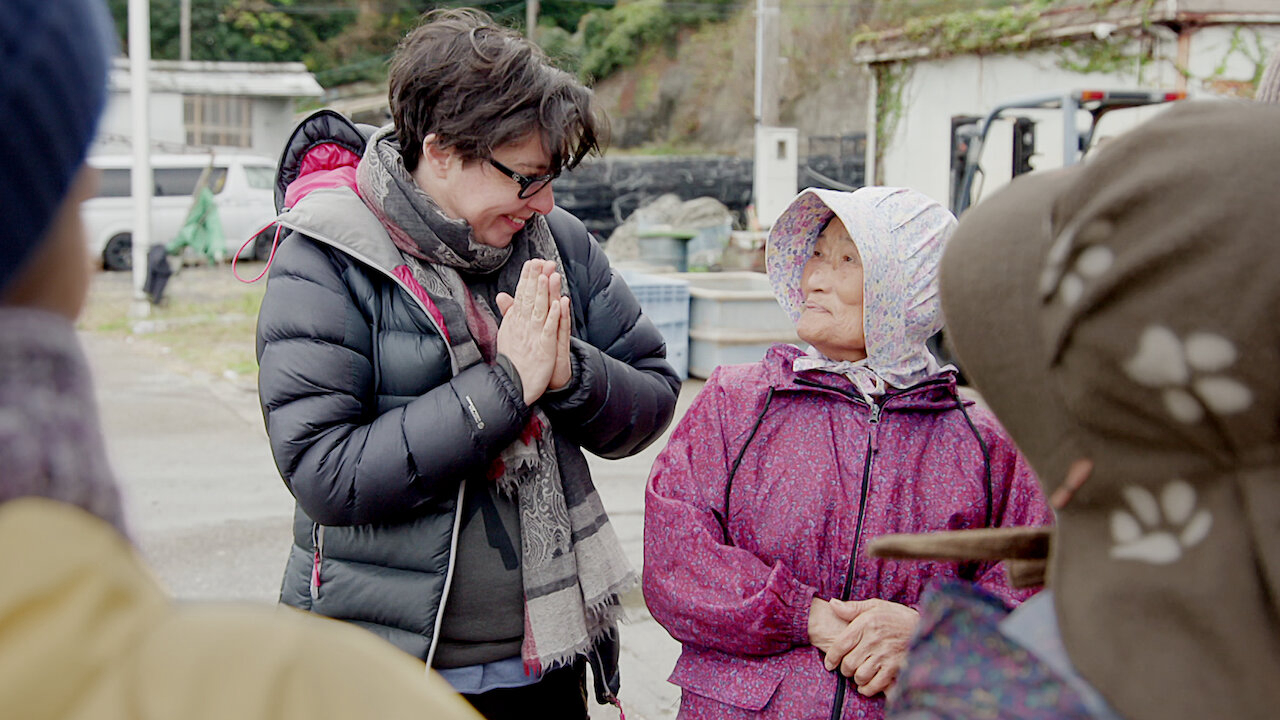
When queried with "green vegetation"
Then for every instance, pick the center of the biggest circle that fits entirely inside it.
(891, 81)
(1254, 52)
(608, 40)
(341, 41)
(895, 13)
(952, 27)
(1110, 55)
(613, 39)
(242, 30)
(984, 29)
(347, 41)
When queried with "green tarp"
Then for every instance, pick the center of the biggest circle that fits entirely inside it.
(202, 230)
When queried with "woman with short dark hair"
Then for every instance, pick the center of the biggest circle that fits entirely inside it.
(437, 345)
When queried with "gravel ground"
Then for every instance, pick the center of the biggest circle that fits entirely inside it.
(204, 325)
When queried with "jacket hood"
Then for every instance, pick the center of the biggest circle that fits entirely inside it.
(316, 191)
(323, 148)
(1122, 312)
(74, 598)
(900, 234)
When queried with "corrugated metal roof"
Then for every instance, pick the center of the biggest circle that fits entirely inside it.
(222, 78)
(1069, 21)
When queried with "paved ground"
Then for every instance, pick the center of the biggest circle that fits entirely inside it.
(209, 511)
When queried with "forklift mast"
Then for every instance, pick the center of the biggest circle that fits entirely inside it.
(969, 133)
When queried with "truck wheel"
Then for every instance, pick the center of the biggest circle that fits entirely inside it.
(118, 254)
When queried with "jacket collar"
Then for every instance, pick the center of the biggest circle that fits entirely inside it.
(938, 392)
(338, 217)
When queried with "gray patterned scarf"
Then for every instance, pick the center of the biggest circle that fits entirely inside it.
(573, 566)
(50, 441)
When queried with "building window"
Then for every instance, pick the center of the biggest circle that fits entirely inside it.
(219, 120)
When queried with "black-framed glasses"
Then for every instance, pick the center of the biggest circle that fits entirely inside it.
(529, 186)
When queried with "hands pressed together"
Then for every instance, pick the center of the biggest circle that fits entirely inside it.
(534, 330)
(866, 639)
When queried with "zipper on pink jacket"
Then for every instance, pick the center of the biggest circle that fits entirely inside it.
(837, 706)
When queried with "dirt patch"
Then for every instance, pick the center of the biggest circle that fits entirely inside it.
(204, 326)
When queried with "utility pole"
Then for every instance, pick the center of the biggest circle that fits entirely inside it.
(768, 41)
(775, 166)
(141, 183)
(531, 18)
(184, 30)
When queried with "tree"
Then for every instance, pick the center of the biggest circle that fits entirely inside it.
(341, 41)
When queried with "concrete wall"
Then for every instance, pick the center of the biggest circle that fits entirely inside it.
(165, 115)
(1231, 52)
(272, 123)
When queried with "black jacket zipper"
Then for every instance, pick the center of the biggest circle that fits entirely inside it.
(837, 707)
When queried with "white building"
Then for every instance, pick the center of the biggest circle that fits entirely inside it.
(249, 107)
(926, 74)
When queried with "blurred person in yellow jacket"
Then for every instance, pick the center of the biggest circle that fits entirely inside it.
(85, 629)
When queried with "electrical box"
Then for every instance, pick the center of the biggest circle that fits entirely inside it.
(777, 171)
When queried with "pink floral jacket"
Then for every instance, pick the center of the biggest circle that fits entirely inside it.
(730, 569)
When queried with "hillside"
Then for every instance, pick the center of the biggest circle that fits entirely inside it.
(698, 94)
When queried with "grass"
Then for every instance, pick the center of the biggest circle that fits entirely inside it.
(205, 324)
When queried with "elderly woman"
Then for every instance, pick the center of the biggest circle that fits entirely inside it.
(759, 509)
(438, 344)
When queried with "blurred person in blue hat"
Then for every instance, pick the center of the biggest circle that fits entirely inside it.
(85, 629)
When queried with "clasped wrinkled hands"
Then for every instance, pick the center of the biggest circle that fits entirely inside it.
(534, 330)
(865, 639)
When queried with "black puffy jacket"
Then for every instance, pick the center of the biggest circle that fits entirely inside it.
(373, 432)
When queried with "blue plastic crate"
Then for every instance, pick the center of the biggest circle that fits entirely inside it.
(665, 301)
(676, 335)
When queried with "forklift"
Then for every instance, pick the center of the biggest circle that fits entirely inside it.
(970, 134)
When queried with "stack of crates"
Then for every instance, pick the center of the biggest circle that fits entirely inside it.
(665, 301)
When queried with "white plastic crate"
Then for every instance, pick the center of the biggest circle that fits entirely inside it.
(665, 301)
(733, 318)
(710, 348)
